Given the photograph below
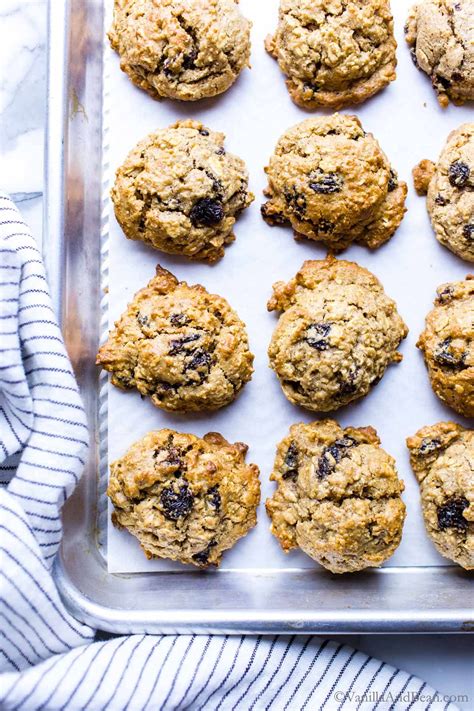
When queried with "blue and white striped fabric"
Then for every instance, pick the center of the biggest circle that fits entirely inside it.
(48, 660)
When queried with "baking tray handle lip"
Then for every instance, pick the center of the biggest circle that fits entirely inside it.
(54, 151)
(257, 621)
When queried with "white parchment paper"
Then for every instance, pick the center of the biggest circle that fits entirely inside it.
(409, 125)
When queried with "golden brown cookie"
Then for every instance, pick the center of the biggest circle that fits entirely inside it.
(184, 348)
(440, 34)
(442, 457)
(447, 344)
(333, 183)
(336, 336)
(337, 497)
(185, 498)
(334, 53)
(450, 188)
(181, 192)
(181, 49)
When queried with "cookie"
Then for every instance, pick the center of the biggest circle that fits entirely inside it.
(447, 344)
(185, 349)
(332, 182)
(450, 188)
(334, 53)
(440, 35)
(181, 49)
(337, 496)
(181, 192)
(336, 336)
(442, 458)
(185, 498)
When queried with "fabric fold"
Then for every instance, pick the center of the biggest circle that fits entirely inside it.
(47, 660)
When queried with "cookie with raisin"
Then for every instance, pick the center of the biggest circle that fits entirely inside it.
(449, 186)
(183, 497)
(442, 458)
(439, 33)
(180, 191)
(185, 349)
(447, 344)
(337, 333)
(334, 53)
(331, 181)
(181, 49)
(337, 497)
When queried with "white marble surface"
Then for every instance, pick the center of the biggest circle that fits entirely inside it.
(23, 103)
(445, 661)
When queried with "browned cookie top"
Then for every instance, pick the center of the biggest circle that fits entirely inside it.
(334, 53)
(185, 498)
(441, 36)
(450, 188)
(181, 192)
(181, 49)
(337, 497)
(447, 344)
(333, 183)
(442, 457)
(336, 336)
(184, 348)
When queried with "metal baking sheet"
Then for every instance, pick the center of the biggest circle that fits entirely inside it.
(95, 117)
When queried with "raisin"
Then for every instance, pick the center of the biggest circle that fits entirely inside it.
(296, 202)
(220, 151)
(440, 200)
(450, 514)
(446, 294)
(177, 345)
(203, 556)
(124, 380)
(167, 71)
(446, 358)
(163, 387)
(393, 181)
(442, 81)
(333, 454)
(215, 497)
(326, 183)
(189, 61)
(216, 183)
(428, 446)
(291, 462)
(143, 320)
(459, 173)
(468, 231)
(457, 6)
(316, 336)
(325, 227)
(206, 212)
(176, 504)
(173, 457)
(348, 386)
(204, 132)
(413, 56)
(179, 319)
(272, 217)
(200, 358)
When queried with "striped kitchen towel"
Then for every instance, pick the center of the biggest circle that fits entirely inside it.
(48, 659)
